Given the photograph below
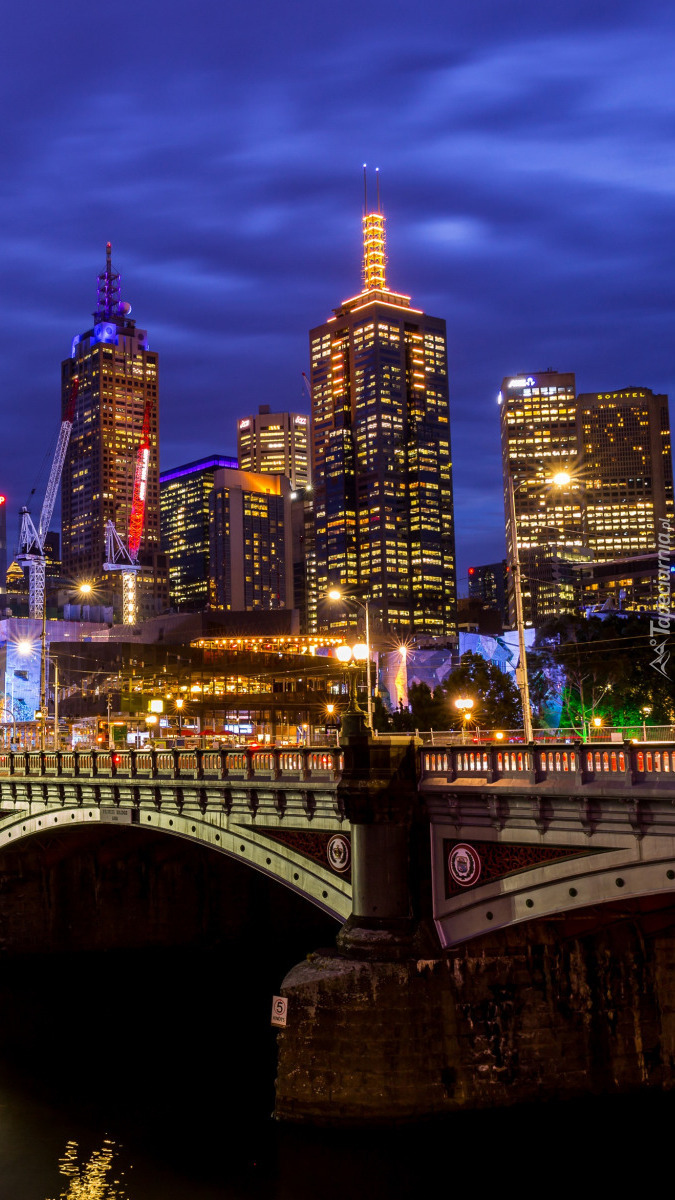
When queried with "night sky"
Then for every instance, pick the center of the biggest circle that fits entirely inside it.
(526, 158)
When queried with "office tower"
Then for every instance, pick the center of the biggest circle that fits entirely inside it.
(539, 439)
(627, 470)
(381, 465)
(251, 554)
(275, 444)
(185, 495)
(489, 584)
(117, 396)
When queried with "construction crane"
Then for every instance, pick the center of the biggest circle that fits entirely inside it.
(121, 557)
(31, 540)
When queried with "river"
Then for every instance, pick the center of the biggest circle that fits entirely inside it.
(171, 1055)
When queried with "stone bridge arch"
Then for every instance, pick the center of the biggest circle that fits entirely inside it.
(284, 824)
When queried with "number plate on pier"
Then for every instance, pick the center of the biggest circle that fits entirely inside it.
(279, 1011)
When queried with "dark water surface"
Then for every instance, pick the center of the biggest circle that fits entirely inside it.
(171, 1055)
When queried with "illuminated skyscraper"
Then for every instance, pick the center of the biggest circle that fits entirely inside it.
(185, 495)
(117, 390)
(251, 556)
(381, 464)
(540, 438)
(275, 443)
(615, 445)
(627, 470)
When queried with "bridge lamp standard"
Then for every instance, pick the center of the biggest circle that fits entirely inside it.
(336, 594)
(646, 712)
(179, 706)
(560, 480)
(353, 655)
(465, 705)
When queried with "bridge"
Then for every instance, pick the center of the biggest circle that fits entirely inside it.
(515, 833)
(470, 883)
(277, 810)
(523, 833)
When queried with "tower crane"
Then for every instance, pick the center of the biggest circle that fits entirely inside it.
(31, 540)
(121, 557)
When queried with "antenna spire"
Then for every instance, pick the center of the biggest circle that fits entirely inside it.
(365, 190)
(108, 290)
(374, 243)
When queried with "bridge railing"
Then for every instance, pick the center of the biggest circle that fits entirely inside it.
(603, 733)
(630, 763)
(276, 763)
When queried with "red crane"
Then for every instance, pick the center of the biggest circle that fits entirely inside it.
(125, 558)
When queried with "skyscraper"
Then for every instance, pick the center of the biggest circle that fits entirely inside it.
(185, 494)
(540, 438)
(617, 448)
(627, 470)
(381, 464)
(275, 443)
(251, 556)
(118, 391)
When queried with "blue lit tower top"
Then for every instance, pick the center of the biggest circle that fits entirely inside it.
(112, 315)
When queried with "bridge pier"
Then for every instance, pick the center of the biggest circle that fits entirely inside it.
(362, 1016)
(388, 1026)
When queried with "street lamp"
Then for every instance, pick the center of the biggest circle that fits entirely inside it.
(646, 712)
(179, 705)
(560, 479)
(465, 705)
(356, 655)
(336, 594)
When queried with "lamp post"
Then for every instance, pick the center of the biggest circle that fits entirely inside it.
(179, 705)
(336, 594)
(561, 479)
(646, 711)
(347, 655)
(465, 705)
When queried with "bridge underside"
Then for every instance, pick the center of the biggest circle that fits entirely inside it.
(308, 853)
(98, 887)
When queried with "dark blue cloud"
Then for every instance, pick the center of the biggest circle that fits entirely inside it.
(527, 178)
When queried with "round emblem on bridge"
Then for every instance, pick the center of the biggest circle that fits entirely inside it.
(338, 853)
(464, 864)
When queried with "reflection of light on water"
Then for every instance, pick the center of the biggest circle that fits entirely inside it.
(90, 1180)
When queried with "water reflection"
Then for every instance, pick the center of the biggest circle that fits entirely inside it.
(93, 1179)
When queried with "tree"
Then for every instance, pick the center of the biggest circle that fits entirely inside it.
(608, 670)
(494, 693)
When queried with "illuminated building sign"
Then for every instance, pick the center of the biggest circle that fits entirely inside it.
(521, 382)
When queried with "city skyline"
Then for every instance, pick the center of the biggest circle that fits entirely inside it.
(233, 202)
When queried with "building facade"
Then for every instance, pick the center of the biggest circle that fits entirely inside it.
(275, 444)
(627, 470)
(185, 496)
(381, 461)
(251, 550)
(616, 448)
(540, 439)
(117, 401)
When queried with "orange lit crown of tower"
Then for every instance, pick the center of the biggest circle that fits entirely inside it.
(374, 252)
